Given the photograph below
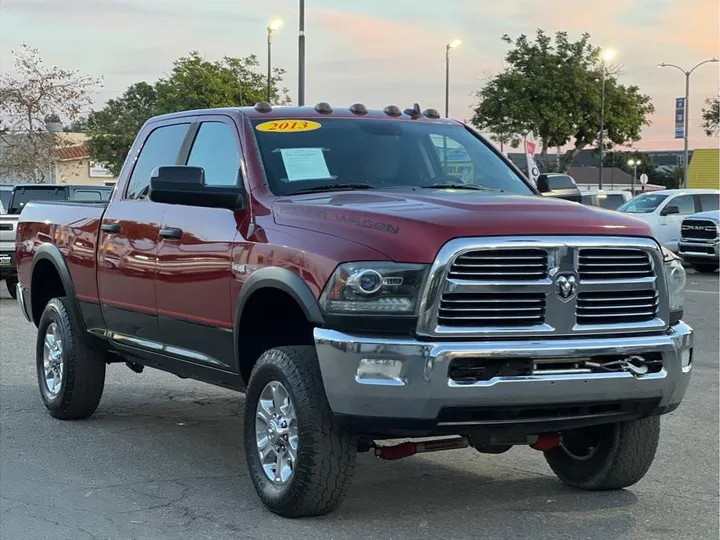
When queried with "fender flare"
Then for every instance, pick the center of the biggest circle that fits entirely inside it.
(283, 280)
(50, 252)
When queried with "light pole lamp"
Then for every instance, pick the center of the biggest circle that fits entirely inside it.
(687, 112)
(607, 56)
(634, 163)
(454, 43)
(272, 27)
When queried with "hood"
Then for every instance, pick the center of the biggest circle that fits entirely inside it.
(412, 227)
(710, 215)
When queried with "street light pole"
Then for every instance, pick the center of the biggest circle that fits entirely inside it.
(301, 56)
(686, 160)
(634, 164)
(454, 43)
(607, 55)
(274, 25)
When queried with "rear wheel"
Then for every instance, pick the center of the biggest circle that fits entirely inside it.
(705, 267)
(300, 459)
(11, 284)
(611, 456)
(71, 374)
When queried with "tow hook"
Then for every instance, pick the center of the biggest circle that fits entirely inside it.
(546, 441)
(410, 448)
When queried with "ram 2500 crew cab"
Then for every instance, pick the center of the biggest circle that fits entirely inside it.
(363, 276)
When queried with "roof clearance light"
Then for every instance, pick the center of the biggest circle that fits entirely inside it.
(358, 108)
(392, 110)
(323, 108)
(263, 106)
(431, 113)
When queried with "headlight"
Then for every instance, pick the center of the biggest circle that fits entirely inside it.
(675, 277)
(374, 288)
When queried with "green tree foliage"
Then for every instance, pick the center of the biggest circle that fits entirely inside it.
(711, 117)
(193, 83)
(553, 88)
(656, 175)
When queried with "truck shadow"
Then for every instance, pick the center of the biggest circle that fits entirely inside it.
(202, 438)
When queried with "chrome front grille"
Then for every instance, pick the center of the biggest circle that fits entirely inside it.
(528, 286)
(492, 309)
(505, 264)
(613, 263)
(614, 307)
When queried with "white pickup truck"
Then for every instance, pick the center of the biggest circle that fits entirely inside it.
(665, 210)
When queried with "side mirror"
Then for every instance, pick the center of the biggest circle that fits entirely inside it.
(670, 210)
(559, 186)
(185, 185)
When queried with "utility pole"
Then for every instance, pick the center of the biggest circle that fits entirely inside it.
(301, 56)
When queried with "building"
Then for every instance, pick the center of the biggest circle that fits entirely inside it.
(704, 170)
(72, 166)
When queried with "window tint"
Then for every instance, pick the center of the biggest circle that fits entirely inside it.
(84, 195)
(685, 203)
(561, 181)
(160, 148)
(709, 202)
(215, 150)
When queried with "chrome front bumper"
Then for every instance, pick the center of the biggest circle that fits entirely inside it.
(423, 387)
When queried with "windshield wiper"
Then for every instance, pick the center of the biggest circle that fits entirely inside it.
(460, 186)
(333, 187)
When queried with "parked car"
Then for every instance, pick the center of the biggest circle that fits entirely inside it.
(665, 210)
(610, 200)
(325, 262)
(699, 244)
(20, 195)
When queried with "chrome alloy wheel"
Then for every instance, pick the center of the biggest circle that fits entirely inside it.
(53, 359)
(276, 433)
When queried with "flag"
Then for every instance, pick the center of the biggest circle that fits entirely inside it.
(532, 169)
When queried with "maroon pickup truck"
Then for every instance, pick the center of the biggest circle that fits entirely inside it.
(363, 276)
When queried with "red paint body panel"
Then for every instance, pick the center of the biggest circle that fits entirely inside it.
(193, 278)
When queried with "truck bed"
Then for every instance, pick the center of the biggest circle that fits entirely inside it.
(72, 226)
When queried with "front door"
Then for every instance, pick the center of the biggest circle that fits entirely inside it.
(128, 243)
(670, 223)
(194, 275)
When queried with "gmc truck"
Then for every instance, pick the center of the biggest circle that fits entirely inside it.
(374, 281)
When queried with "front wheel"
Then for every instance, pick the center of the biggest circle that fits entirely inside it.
(605, 457)
(705, 268)
(300, 459)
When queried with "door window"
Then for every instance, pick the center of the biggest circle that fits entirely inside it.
(215, 150)
(685, 203)
(160, 148)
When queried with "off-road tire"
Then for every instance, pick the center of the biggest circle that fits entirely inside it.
(625, 454)
(83, 377)
(326, 452)
(705, 268)
(10, 284)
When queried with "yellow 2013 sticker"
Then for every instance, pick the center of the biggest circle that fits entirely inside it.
(288, 126)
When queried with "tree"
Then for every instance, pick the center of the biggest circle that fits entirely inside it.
(553, 88)
(711, 117)
(32, 96)
(193, 83)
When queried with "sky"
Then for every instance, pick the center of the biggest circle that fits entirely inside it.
(377, 52)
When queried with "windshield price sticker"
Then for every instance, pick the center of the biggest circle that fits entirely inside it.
(288, 126)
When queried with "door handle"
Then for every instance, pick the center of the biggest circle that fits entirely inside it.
(110, 228)
(171, 232)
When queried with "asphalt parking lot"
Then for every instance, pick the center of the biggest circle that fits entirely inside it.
(162, 459)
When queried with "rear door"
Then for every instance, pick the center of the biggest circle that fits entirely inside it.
(194, 275)
(128, 244)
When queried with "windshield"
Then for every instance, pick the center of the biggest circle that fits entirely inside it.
(5, 197)
(643, 204)
(301, 155)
